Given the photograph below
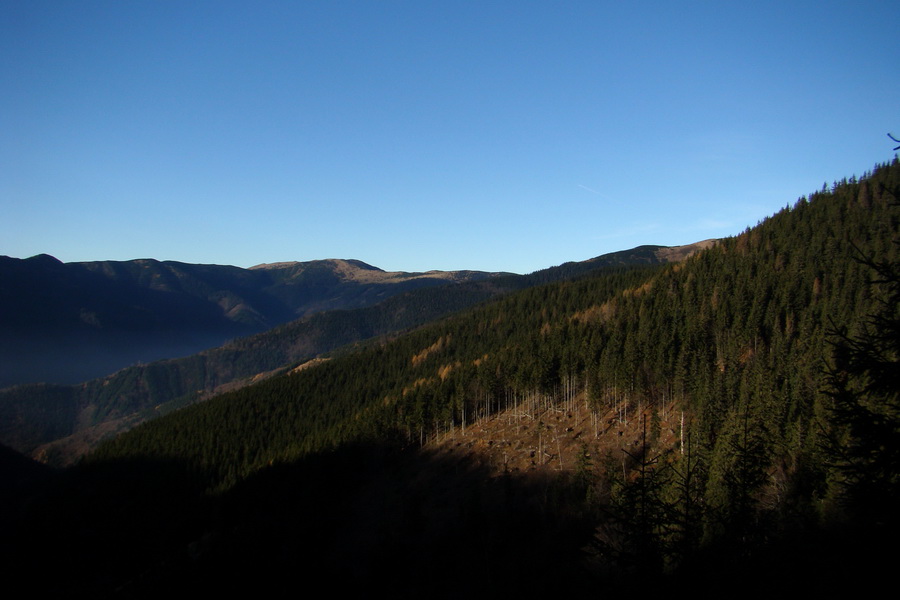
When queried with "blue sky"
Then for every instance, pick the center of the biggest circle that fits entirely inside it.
(427, 135)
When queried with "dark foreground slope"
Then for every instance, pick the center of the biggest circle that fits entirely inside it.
(318, 476)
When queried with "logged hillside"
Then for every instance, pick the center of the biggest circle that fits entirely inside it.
(730, 414)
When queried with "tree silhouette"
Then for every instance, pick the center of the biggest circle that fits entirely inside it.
(864, 384)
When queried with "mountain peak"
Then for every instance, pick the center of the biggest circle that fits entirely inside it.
(45, 259)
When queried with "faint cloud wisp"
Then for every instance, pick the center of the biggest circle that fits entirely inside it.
(593, 191)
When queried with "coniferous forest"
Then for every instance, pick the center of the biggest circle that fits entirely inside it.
(754, 387)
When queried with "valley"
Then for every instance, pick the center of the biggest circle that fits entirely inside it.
(67, 323)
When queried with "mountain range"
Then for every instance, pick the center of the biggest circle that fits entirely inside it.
(724, 423)
(69, 322)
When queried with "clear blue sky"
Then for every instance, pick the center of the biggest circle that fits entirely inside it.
(427, 135)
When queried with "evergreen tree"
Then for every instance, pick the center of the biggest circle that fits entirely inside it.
(864, 384)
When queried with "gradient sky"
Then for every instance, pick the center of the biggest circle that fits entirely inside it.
(427, 135)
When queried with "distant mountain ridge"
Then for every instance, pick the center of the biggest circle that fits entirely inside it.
(69, 322)
(357, 270)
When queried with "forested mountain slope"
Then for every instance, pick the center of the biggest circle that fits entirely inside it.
(736, 331)
(717, 377)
